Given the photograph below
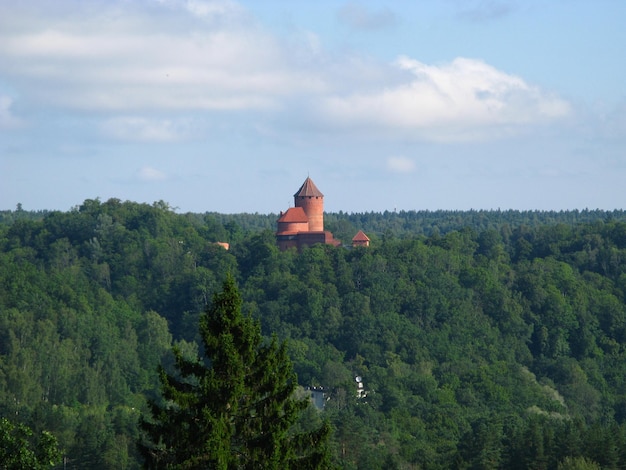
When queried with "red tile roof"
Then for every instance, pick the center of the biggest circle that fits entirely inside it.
(308, 189)
(294, 215)
(360, 237)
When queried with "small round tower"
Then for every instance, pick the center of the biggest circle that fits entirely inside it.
(312, 202)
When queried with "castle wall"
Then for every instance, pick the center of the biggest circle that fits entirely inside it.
(293, 227)
(287, 241)
(313, 207)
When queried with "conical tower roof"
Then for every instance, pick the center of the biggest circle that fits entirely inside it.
(308, 189)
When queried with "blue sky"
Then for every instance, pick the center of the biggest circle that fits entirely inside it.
(227, 106)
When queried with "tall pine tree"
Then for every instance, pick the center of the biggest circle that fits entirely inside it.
(236, 408)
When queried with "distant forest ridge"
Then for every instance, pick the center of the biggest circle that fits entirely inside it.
(378, 224)
(428, 223)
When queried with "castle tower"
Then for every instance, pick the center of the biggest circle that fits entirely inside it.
(312, 202)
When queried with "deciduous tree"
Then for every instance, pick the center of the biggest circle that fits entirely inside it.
(21, 448)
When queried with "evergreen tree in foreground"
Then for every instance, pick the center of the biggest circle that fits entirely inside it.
(235, 410)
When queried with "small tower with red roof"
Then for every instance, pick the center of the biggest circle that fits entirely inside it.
(360, 239)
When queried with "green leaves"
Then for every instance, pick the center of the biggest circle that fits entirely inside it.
(235, 407)
(495, 323)
(22, 449)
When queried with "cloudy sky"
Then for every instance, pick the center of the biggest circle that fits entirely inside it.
(228, 106)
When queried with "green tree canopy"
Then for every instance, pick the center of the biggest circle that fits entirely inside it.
(236, 408)
(21, 448)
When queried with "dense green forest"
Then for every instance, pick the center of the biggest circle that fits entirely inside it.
(484, 339)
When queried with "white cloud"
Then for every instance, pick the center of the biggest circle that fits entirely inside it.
(183, 56)
(125, 59)
(150, 174)
(7, 119)
(465, 99)
(400, 165)
(214, 10)
(141, 129)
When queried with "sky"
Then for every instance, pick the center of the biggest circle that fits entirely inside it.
(228, 106)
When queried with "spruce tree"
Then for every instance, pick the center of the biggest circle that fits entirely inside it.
(234, 409)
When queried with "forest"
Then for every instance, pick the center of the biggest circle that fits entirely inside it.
(482, 339)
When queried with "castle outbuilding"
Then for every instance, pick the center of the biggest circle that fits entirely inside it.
(360, 239)
(303, 225)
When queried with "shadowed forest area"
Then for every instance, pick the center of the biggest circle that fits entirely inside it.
(484, 339)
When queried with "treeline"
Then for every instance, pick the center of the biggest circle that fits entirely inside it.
(439, 222)
(397, 223)
(405, 224)
(491, 342)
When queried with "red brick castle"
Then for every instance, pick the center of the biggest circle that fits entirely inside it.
(303, 225)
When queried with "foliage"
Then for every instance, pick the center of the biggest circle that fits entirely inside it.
(578, 463)
(236, 409)
(21, 448)
(485, 339)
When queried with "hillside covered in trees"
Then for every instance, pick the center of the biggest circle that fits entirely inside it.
(484, 339)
